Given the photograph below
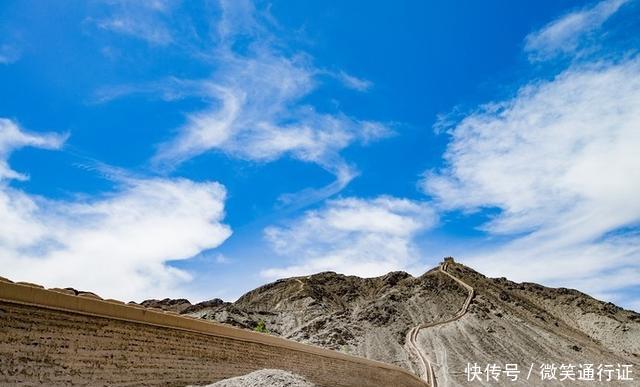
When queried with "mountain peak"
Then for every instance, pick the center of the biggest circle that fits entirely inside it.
(393, 318)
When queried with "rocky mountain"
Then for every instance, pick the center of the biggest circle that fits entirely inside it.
(424, 324)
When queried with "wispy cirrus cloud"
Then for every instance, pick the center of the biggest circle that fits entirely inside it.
(364, 237)
(259, 109)
(144, 20)
(167, 89)
(564, 35)
(559, 160)
(258, 117)
(116, 244)
(353, 82)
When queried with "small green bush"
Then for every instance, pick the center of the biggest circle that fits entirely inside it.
(261, 327)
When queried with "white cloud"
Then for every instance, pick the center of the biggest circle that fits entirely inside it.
(352, 236)
(118, 244)
(168, 89)
(258, 111)
(560, 161)
(238, 17)
(563, 35)
(223, 259)
(257, 116)
(11, 137)
(140, 19)
(150, 32)
(353, 82)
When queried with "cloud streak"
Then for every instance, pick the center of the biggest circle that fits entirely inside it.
(354, 83)
(564, 35)
(145, 20)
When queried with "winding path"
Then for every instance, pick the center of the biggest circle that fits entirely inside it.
(425, 363)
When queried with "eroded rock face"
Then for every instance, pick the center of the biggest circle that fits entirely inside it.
(507, 322)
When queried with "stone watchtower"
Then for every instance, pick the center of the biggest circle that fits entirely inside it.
(448, 260)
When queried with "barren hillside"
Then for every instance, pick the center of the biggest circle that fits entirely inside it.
(506, 322)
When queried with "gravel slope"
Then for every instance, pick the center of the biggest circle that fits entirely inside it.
(507, 322)
(265, 378)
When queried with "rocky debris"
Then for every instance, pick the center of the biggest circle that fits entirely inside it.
(265, 378)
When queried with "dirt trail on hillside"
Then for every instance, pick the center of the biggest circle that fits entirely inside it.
(425, 362)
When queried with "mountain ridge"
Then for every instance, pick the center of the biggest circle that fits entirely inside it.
(506, 322)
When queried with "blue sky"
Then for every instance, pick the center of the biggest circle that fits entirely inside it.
(200, 149)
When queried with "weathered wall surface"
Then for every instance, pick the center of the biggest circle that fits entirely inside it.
(51, 338)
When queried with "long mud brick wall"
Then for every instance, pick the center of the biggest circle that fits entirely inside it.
(52, 338)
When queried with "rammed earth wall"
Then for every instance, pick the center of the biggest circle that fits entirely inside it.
(52, 338)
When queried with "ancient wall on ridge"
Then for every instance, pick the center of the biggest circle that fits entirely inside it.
(53, 338)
